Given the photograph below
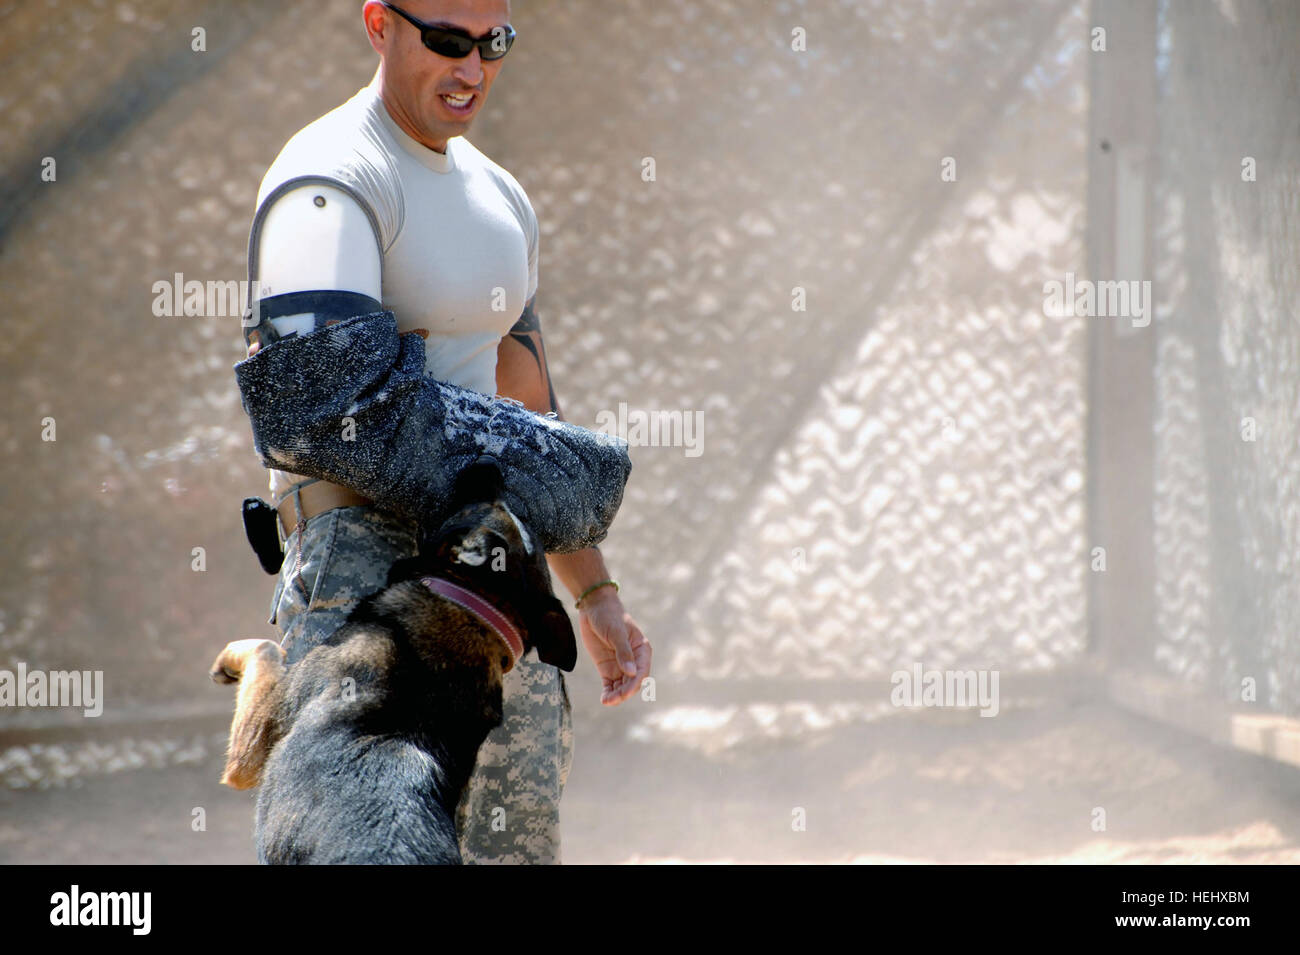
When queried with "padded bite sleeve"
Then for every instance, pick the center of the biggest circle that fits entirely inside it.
(350, 403)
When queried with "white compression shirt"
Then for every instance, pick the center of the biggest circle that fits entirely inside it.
(448, 241)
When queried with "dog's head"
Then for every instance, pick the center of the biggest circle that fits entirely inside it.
(485, 550)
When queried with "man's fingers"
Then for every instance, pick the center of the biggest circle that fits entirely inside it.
(623, 688)
(629, 654)
(617, 637)
(617, 688)
(642, 652)
(616, 691)
(626, 658)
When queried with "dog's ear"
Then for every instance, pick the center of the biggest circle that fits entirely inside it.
(550, 631)
(405, 569)
(481, 481)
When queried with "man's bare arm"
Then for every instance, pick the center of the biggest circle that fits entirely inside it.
(522, 372)
(615, 643)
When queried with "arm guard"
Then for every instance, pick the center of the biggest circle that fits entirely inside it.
(349, 403)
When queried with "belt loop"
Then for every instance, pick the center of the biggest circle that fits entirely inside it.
(293, 489)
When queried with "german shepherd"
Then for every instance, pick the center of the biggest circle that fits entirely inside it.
(364, 747)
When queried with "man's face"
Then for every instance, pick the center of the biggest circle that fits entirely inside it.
(416, 81)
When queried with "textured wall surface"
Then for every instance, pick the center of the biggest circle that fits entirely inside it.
(889, 462)
(896, 468)
(1228, 368)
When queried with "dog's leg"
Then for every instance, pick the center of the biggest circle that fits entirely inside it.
(257, 666)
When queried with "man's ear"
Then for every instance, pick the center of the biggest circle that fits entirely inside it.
(552, 634)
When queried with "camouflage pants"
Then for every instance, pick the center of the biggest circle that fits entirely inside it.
(510, 812)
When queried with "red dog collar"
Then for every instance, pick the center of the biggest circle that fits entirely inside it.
(480, 608)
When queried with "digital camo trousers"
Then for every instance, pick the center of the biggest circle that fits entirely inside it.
(510, 812)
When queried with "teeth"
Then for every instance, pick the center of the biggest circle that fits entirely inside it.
(457, 100)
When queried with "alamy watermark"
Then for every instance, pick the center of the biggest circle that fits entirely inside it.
(964, 688)
(214, 298)
(129, 909)
(657, 428)
(1120, 299)
(83, 688)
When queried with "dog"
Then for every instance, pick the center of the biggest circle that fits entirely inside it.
(364, 747)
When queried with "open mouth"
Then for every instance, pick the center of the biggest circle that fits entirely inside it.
(462, 104)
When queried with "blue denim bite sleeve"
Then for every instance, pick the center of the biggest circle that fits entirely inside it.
(350, 403)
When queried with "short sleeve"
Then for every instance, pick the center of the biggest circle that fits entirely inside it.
(344, 148)
(533, 241)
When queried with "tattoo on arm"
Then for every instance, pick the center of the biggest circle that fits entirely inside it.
(528, 332)
(528, 321)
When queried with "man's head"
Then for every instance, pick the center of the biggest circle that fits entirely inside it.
(415, 82)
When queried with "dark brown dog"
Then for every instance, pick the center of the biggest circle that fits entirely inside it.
(364, 747)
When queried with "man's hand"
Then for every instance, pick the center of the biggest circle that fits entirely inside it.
(615, 644)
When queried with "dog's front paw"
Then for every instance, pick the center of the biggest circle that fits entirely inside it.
(231, 662)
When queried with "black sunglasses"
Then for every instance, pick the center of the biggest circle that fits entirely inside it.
(457, 44)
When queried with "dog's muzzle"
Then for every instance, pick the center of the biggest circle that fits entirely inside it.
(492, 618)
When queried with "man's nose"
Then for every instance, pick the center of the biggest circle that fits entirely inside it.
(470, 69)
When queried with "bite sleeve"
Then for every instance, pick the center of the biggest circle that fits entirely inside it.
(350, 403)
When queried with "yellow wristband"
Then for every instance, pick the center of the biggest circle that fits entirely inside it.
(578, 603)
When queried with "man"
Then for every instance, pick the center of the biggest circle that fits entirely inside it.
(383, 200)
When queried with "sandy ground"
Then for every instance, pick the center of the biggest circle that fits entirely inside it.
(924, 788)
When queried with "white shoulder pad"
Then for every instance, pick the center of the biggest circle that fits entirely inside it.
(316, 237)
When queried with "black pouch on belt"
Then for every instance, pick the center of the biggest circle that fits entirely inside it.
(262, 528)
